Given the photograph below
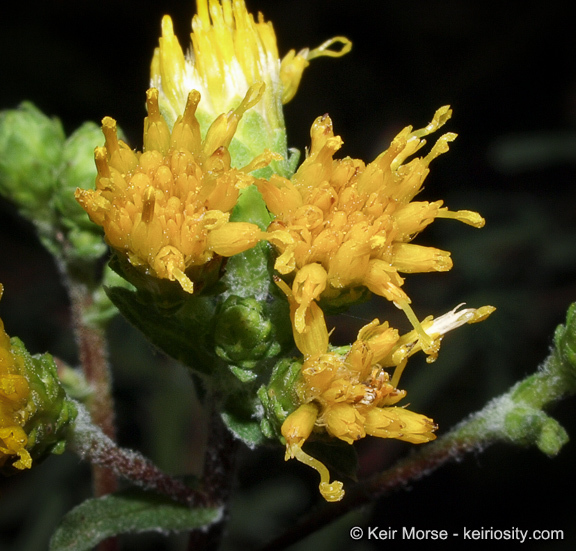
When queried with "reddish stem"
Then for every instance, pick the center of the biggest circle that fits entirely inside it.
(91, 444)
(93, 353)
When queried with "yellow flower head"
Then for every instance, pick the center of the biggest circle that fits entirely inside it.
(167, 208)
(14, 406)
(350, 395)
(352, 224)
(230, 52)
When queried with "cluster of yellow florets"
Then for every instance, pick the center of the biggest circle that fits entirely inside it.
(351, 224)
(338, 225)
(168, 208)
(351, 395)
(14, 406)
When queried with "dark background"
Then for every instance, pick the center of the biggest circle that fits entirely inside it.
(509, 74)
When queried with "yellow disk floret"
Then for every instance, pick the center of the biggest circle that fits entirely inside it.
(230, 51)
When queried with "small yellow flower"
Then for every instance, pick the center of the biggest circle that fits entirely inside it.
(15, 409)
(230, 52)
(352, 224)
(351, 395)
(167, 208)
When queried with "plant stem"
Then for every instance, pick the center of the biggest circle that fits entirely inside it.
(93, 352)
(91, 444)
(217, 481)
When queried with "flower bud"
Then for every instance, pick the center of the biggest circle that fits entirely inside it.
(245, 333)
(30, 153)
(78, 170)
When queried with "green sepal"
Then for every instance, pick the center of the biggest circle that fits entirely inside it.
(278, 397)
(242, 374)
(49, 411)
(127, 512)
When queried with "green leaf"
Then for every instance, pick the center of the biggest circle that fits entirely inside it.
(132, 511)
(242, 414)
(182, 332)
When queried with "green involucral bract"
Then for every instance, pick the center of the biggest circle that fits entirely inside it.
(50, 410)
(278, 397)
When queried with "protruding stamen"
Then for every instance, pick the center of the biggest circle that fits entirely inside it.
(425, 339)
(324, 49)
(330, 491)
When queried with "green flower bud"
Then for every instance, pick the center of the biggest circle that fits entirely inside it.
(30, 153)
(565, 342)
(552, 437)
(243, 334)
(77, 170)
(529, 426)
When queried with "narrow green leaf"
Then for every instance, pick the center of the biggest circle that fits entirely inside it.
(131, 511)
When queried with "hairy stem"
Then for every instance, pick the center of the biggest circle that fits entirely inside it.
(93, 352)
(91, 444)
